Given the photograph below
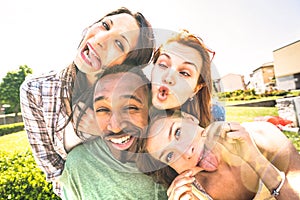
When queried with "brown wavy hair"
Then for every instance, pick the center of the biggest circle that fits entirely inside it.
(200, 106)
(74, 81)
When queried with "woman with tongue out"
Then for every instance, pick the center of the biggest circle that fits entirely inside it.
(253, 160)
(48, 101)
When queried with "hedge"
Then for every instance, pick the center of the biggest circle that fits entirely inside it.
(11, 128)
(21, 179)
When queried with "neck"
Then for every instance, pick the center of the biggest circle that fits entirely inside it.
(91, 79)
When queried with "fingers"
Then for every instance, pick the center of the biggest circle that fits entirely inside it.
(186, 196)
(87, 122)
(231, 126)
(181, 187)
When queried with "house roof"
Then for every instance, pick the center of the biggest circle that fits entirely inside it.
(268, 64)
(286, 45)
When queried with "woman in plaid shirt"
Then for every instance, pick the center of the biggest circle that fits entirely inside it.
(47, 101)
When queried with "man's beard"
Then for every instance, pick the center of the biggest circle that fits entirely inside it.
(130, 154)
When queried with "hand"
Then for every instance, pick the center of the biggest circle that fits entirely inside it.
(237, 140)
(88, 123)
(181, 187)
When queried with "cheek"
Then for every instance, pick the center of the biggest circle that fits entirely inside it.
(89, 34)
(180, 165)
(183, 91)
(102, 122)
(140, 120)
(156, 75)
(114, 58)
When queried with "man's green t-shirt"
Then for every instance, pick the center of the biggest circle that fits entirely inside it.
(91, 173)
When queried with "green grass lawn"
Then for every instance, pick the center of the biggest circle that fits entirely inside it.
(14, 143)
(244, 114)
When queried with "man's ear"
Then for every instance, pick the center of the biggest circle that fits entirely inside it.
(191, 117)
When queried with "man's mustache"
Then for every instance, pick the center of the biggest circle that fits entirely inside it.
(130, 129)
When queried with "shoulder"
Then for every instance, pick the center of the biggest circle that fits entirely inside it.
(266, 135)
(42, 85)
(76, 154)
(265, 129)
(271, 142)
(38, 79)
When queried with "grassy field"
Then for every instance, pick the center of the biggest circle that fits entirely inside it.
(14, 143)
(243, 114)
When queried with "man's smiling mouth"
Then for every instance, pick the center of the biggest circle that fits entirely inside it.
(121, 140)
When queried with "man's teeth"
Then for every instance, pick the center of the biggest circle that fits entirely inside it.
(121, 140)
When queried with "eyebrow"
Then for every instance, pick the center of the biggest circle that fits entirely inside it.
(126, 40)
(169, 137)
(132, 97)
(186, 62)
(165, 54)
(99, 98)
(124, 96)
(170, 131)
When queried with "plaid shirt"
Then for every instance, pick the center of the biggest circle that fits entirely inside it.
(44, 114)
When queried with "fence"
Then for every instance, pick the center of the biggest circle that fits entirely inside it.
(10, 119)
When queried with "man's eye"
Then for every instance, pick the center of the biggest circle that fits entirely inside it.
(131, 108)
(106, 26)
(169, 157)
(177, 133)
(120, 45)
(102, 109)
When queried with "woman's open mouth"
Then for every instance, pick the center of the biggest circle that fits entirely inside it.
(163, 93)
(90, 56)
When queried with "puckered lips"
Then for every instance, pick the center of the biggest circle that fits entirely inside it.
(208, 161)
(90, 56)
(121, 142)
(163, 93)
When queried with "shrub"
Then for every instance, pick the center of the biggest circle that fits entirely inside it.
(11, 128)
(21, 179)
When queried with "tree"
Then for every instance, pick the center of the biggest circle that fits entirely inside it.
(10, 88)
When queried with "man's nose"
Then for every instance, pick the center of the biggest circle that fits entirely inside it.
(169, 77)
(116, 123)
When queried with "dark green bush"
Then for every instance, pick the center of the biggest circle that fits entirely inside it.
(21, 179)
(11, 128)
(245, 95)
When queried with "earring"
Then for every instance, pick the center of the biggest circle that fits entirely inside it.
(191, 99)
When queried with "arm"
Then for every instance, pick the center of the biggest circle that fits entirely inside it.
(267, 151)
(40, 139)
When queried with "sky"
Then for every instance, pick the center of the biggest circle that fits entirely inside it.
(44, 35)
